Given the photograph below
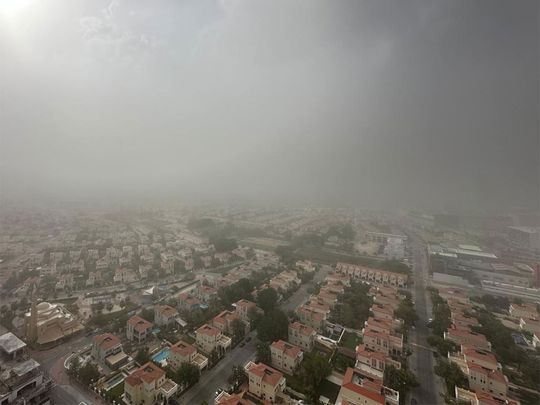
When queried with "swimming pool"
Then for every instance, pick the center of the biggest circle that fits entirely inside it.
(113, 382)
(162, 355)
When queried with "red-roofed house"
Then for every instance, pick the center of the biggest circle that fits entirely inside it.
(312, 318)
(285, 356)
(107, 350)
(383, 342)
(165, 315)
(210, 338)
(224, 320)
(357, 389)
(244, 307)
(264, 381)
(467, 338)
(147, 386)
(182, 352)
(481, 398)
(302, 335)
(138, 328)
(376, 360)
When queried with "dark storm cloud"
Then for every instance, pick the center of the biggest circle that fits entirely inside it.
(386, 103)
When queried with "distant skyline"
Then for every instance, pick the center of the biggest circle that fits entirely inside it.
(386, 104)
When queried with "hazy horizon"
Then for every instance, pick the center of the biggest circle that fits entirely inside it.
(354, 103)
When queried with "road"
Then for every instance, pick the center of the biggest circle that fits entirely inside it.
(52, 361)
(217, 377)
(421, 361)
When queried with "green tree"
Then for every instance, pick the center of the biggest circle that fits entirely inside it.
(313, 370)
(273, 326)
(214, 357)
(238, 376)
(406, 311)
(263, 353)
(75, 366)
(400, 380)
(88, 374)
(187, 374)
(142, 356)
(452, 374)
(147, 314)
(267, 299)
(238, 329)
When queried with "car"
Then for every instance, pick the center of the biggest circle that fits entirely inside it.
(219, 391)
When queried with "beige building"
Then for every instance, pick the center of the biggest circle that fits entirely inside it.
(50, 324)
(481, 398)
(182, 352)
(285, 357)
(210, 338)
(148, 386)
(465, 337)
(265, 382)
(526, 310)
(374, 359)
(243, 309)
(165, 315)
(138, 329)
(310, 317)
(107, 350)
(358, 389)
(302, 336)
(224, 320)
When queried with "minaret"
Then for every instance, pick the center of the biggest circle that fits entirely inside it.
(31, 328)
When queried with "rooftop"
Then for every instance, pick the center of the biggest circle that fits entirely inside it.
(10, 343)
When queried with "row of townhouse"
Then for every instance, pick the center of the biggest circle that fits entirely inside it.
(528, 317)
(380, 330)
(487, 383)
(373, 275)
(285, 281)
(357, 388)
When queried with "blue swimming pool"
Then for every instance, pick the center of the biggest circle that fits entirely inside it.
(162, 355)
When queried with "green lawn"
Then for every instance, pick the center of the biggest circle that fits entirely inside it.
(350, 340)
(116, 391)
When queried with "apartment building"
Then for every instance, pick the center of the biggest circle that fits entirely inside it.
(138, 329)
(209, 338)
(358, 389)
(302, 335)
(107, 350)
(165, 315)
(182, 352)
(148, 386)
(285, 357)
(265, 382)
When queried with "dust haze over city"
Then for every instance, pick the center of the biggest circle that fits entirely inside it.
(270, 202)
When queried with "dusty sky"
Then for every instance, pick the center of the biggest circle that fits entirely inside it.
(371, 103)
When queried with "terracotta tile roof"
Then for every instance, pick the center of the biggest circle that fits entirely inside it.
(148, 373)
(491, 374)
(106, 341)
(224, 317)
(245, 303)
(139, 324)
(183, 349)
(303, 329)
(361, 350)
(287, 349)
(364, 389)
(166, 310)
(208, 330)
(487, 357)
(269, 375)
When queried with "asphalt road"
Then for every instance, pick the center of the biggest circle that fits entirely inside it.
(52, 362)
(217, 377)
(421, 361)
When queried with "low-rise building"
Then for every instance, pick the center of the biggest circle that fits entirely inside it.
(358, 389)
(182, 352)
(165, 315)
(148, 386)
(374, 359)
(209, 338)
(464, 396)
(285, 357)
(462, 336)
(302, 335)
(312, 318)
(244, 307)
(138, 329)
(383, 342)
(529, 325)
(224, 322)
(188, 302)
(525, 310)
(206, 293)
(107, 350)
(265, 382)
